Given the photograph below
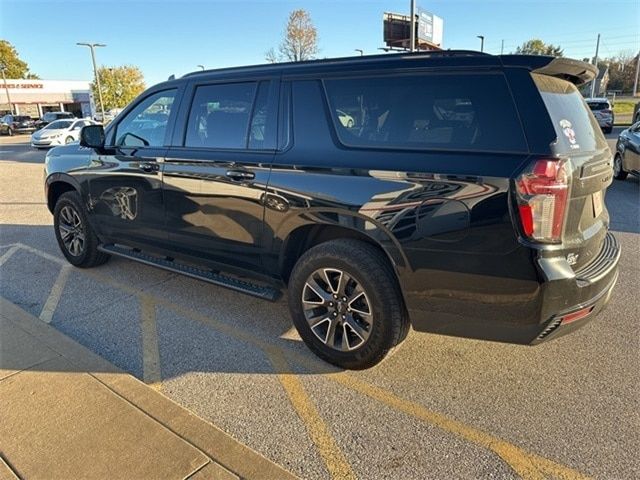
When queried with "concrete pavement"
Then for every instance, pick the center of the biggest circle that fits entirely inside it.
(68, 413)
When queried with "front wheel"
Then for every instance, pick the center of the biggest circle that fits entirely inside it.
(10, 131)
(68, 140)
(618, 172)
(76, 238)
(346, 303)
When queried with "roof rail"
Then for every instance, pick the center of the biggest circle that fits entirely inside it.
(339, 60)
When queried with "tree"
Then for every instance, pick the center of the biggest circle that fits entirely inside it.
(538, 47)
(120, 85)
(622, 71)
(10, 61)
(300, 41)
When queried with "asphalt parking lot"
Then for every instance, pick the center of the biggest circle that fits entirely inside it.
(439, 407)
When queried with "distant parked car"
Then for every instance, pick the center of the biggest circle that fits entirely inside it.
(636, 113)
(49, 117)
(12, 124)
(109, 115)
(60, 132)
(603, 112)
(627, 159)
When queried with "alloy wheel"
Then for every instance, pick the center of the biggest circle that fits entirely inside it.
(617, 165)
(337, 309)
(71, 230)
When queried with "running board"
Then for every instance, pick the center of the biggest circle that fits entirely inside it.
(261, 291)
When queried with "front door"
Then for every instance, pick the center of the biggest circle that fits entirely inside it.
(125, 180)
(216, 173)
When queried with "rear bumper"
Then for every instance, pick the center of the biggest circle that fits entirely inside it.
(587, 289)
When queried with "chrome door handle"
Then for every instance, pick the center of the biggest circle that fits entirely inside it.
(149, 167)
(240, 175)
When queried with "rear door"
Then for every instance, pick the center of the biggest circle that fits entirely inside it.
(217, 169)
(580, 139)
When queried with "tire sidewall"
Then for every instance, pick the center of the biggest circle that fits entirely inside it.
(380, 338)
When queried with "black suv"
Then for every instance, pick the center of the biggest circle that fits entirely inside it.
(457, 192)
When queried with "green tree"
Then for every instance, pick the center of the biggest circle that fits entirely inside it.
(536, 46)
(10, 61)
(120, 85)
(300, 40)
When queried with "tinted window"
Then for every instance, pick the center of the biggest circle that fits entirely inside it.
(58, 125)
(262, 131)
(598, 105)
(458, 112)
(146, 124)
(575, 126)
(219, 116)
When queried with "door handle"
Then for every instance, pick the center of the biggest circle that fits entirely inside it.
(149, 167)
(239, 175)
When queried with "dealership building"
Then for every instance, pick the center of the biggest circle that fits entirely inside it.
(36, 97)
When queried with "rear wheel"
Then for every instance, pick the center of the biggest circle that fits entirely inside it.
(76, 238)
(10, 131)
(346, 303)
(618, 172)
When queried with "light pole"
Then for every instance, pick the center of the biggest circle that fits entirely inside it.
(200, 66)
(92, 47)
(359, 50)
(481, 37)
(412, 26)
(6, 88)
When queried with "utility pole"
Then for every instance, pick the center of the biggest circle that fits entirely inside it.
(6, 88)
(502, 48)
(635, 82)
(92, 47)
(595, 62)
(412, 36)
(481, 37)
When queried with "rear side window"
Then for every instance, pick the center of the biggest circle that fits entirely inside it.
(223, 116)
(575, 126)
(594, 106)
(436, 111)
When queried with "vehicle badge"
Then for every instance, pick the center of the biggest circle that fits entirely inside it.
(572, 258)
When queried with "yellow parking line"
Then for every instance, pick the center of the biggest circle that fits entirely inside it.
(150, 351)
(49, 308)
(527, 465)
(328, 449)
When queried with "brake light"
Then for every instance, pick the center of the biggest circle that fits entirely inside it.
(543, 195)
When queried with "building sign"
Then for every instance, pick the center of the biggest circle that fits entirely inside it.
(24, 86)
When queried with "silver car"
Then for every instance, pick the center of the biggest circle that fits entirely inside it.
(603, 112)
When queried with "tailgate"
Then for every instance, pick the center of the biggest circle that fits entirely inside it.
(580, 140)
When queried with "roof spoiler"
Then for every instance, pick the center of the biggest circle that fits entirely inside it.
(573, 71)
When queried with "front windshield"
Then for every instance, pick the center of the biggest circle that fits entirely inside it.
(58, 125)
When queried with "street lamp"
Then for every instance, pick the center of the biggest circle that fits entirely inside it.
(6, 87)
(481, 37)
(200, 66)
(359, 50)
(92, 47)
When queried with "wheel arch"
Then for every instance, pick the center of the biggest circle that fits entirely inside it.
(56, 185)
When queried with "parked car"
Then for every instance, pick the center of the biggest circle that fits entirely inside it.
(468, 202)
(12, 124)
(109, 115)
(49, 117)
(636, 113)
(603, 111)
(627, 158)
(59, 132)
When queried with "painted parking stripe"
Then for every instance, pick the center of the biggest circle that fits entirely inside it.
(7, 255)
(151, 374)
(49, 308)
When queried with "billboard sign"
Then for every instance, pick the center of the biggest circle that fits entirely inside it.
(430, 27)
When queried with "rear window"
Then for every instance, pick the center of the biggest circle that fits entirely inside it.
(575, 126)
(437, 111)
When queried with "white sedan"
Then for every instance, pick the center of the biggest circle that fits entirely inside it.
(60, 132)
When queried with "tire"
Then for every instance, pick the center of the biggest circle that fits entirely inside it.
(618, 172)
(10, 132)
(68, 140)
(608, 130)
(69, 215)
(375, 307)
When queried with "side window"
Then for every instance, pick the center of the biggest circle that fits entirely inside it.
(220, 114)
(146, 124)
(263, 121)
(453, 112)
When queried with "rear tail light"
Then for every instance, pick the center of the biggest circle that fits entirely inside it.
(543, 195)
(577, 315)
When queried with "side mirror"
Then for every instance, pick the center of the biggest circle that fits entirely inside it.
(92, 136)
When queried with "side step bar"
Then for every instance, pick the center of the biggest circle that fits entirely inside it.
(262, 291)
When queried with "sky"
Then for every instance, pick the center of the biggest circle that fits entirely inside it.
(174, 37)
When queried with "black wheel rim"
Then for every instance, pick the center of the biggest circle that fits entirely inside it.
(337, 309)
(71, 230)
(617, 165)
